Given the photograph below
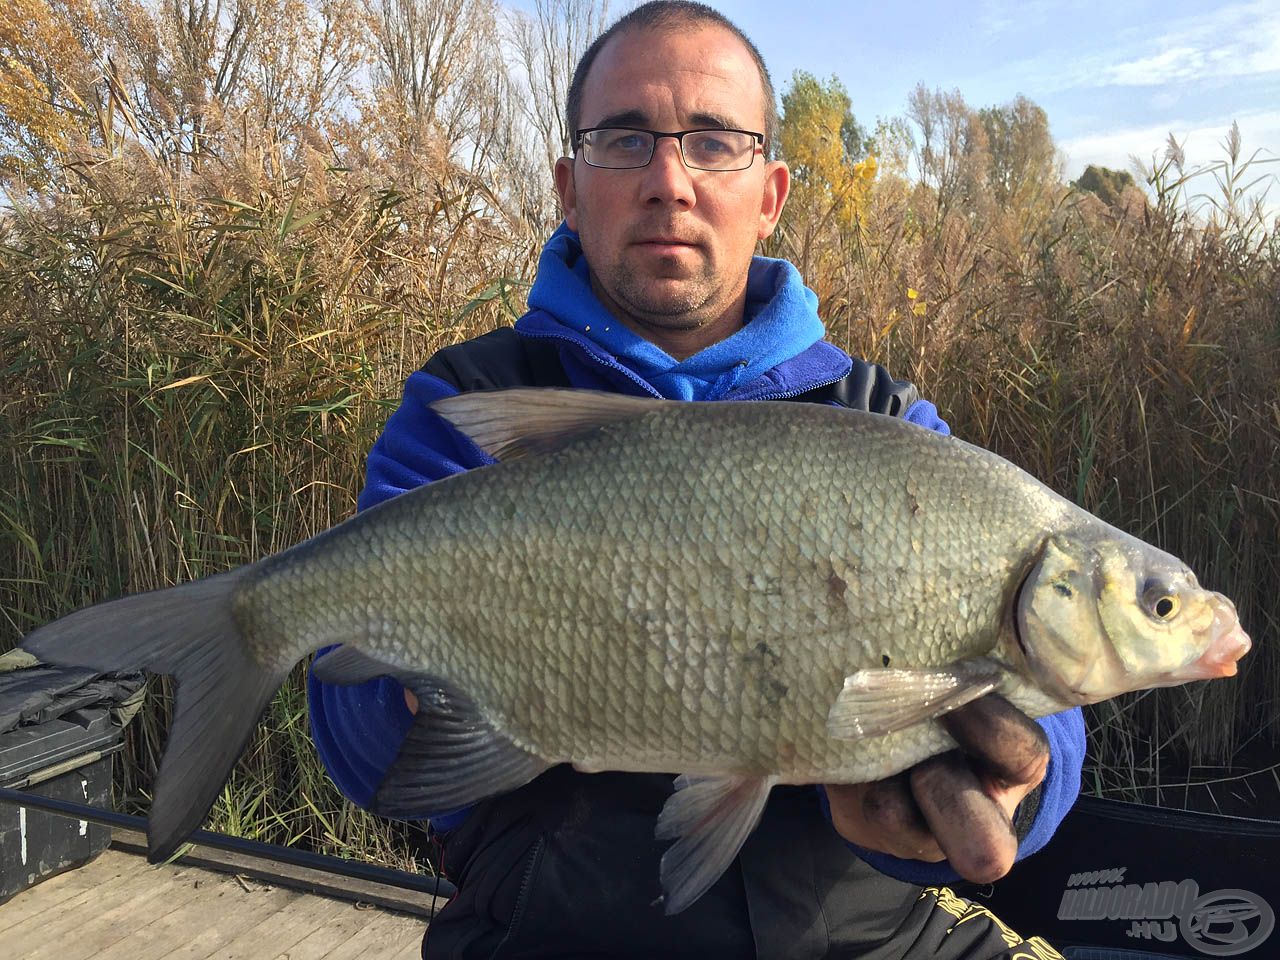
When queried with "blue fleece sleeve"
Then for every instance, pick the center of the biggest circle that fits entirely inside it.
(1061, 784)
(925, 414)
(358, 729)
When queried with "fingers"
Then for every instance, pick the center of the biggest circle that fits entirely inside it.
(1001, 740)
(957, 806)
(891, 810)
(883, 816)
(968, 825)
(968, 796)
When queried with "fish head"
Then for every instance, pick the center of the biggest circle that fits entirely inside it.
(1098, 616)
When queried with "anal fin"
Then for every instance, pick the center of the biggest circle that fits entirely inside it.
(876, 702)
(710, 819)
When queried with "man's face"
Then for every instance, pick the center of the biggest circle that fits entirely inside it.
(669, 246)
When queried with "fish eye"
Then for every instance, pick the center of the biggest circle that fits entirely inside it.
(1161, 602)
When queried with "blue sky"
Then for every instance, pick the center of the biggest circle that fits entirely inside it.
(1115, 78)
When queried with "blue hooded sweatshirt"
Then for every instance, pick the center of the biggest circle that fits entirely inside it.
(779, 352)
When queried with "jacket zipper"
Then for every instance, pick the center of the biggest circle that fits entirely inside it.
(788, 394)
(522, 896)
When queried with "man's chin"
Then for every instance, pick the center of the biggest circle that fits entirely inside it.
(672, 312)
(667, 296)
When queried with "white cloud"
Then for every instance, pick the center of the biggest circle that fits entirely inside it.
(1239, 40)
(1251, 47)
(997, 17)
(1176, 63)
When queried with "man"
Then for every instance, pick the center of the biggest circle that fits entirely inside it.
(650, 288)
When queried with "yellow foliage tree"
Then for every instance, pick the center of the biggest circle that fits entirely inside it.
(826, 150)
(46, 76)
(832, 175)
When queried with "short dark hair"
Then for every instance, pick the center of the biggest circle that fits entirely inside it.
(659, 14)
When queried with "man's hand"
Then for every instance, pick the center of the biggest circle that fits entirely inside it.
(958, 806)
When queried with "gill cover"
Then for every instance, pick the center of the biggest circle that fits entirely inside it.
(1101, 615)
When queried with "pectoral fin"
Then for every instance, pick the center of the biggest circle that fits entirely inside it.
(710, 818)
(876, 702)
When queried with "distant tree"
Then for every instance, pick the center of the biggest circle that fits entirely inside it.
(1107, 184)
(819, 131)
(1023, 158)
(547, 44)
(831, 172)
(891, 145)
(434, 63)
(950, 149)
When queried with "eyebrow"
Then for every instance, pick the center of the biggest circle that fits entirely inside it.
(638, 118)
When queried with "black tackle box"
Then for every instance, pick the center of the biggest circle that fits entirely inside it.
(58, 731)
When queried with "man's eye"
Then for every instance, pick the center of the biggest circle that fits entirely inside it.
(625, 142)
(711, 144)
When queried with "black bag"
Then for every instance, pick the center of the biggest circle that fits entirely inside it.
(1123, 881)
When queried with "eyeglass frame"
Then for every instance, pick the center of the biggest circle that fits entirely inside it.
(676, 135)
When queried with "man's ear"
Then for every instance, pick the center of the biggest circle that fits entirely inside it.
(568, 193)
(777, 185)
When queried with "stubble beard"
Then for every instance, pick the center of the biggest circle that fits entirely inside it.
(686, 304)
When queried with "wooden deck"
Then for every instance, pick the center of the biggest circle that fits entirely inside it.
(119, 907)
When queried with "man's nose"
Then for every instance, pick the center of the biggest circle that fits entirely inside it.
(667, 179)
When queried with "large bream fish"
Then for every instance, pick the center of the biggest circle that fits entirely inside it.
(743, 593)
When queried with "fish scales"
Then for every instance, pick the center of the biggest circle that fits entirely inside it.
(686, 592)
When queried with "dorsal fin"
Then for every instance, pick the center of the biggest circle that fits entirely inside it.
(508, 424)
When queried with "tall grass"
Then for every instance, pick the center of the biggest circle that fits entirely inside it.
(194, 363)
(190, 382)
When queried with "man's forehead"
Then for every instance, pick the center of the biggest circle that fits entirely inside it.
(702, 70)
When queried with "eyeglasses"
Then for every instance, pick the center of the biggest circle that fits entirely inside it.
(625, 148)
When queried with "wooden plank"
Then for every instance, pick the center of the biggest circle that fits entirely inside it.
(387, 937)
(150, 891)
(327, 937)
(287, 928)
(121, 908)
(236, 913)
(149, 935)
(72, 912)
(56, 890)
(300, 878)
(215, 907)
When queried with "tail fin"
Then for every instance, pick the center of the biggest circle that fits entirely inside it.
(189, 632)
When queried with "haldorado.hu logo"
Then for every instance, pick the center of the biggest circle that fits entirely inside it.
(1222, 923)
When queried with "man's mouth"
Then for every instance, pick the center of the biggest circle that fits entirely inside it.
(667, 243)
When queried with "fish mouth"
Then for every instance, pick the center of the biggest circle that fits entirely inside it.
(1229, 644)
